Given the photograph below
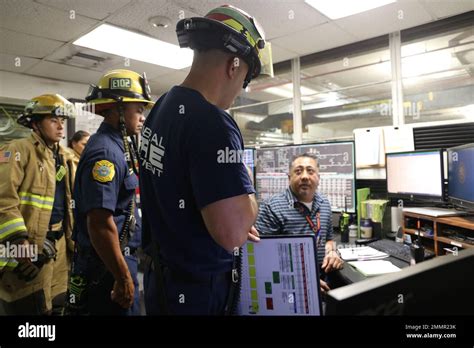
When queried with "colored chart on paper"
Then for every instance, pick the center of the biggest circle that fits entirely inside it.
(279, 277)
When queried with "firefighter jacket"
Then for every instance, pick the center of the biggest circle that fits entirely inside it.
(27, 188)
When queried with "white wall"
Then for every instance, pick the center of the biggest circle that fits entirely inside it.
(24, 87)
(18, 88)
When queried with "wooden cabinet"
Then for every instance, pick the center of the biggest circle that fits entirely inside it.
(440, 233)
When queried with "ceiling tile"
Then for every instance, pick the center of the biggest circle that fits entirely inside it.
(162, 84)
(11, 63)
(65, 73)
(316, 39)
(67, 53)
(280, 54)
(443, 8)
(151, 70)
(137, 17)
(15, 43)
(89, 8)
(32, 18)
(383, 20)
(277, 18)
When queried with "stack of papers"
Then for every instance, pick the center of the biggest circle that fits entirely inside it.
(362, 253)
(373, 268)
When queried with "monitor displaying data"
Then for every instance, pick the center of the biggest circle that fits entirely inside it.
(280, 277)
(461, 175)
(248, 159)
(416, 173)
(337, 170)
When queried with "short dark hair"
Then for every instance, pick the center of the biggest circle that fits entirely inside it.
(306, 154)
(78, 136)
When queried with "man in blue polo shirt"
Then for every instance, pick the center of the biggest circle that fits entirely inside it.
(300, 209)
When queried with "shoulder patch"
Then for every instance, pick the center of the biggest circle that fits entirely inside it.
(5, 156)
(103, 171)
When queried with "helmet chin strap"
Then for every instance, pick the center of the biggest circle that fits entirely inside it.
(42, 136)
(130, 154)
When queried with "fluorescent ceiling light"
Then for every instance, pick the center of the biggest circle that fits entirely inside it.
(336, 9)
(412, 81)
(328, 99)
(356, 112)
(286, 91)
(467, 111)
(125, 43)
(428, 63)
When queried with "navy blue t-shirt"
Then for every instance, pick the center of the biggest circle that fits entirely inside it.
(103, 181)
(187, 144)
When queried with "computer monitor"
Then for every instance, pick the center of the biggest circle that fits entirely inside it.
(336, 166)
(249, 160)
(461, 176)
(415, 175)
(434, 287)
(280, 276)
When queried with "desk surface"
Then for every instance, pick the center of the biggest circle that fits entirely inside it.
(349, 275)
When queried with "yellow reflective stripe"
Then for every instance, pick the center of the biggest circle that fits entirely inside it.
(7, 262)
(11, 227)
(43, 202)
(10, 222)
(239, 27)
(43, 198)
(42, 206)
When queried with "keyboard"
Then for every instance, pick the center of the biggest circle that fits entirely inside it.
(434, 211)
(397, 250)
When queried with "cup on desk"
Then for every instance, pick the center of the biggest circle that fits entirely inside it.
(417, 252)
(365, 228)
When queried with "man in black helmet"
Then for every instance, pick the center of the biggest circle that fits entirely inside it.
(199, 207)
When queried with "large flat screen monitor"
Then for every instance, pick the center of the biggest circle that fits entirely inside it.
(461, 176)
(415, 175)
(337, 170)
(249, 160)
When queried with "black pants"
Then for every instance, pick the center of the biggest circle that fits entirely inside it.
(99, 301)
(185, 296)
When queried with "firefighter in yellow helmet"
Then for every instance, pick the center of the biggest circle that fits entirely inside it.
(36, 178)
(107, 232)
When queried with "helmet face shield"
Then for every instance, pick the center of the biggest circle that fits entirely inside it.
(265, 56)
(145, 87)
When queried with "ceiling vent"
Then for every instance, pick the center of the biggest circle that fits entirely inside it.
(84, 60)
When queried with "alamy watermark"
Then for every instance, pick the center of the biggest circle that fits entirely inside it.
(19, 251)
(76, 109)
(409, 109)
(230, 156)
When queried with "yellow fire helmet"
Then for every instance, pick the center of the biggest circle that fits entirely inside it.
(231, 29)
(120, 86)
(44, 105)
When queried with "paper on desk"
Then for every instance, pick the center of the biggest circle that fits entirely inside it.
(374, 267)
(364, 252)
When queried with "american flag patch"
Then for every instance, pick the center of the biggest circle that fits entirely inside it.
(5, 156)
